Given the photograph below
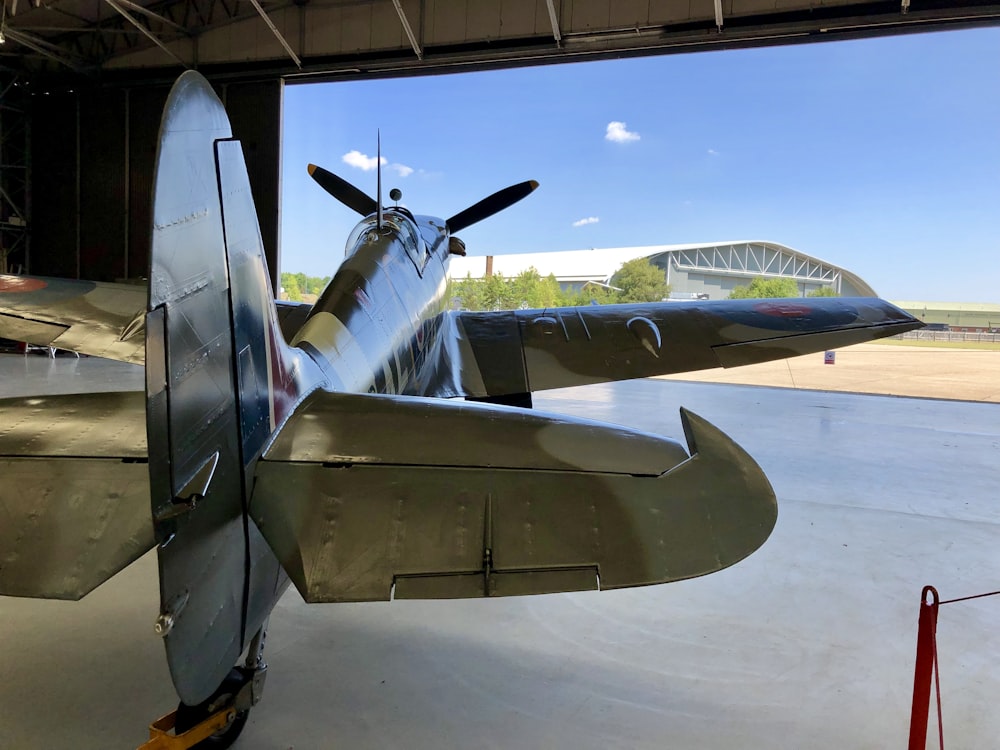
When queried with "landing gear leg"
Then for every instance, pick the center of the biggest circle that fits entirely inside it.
(239, 692)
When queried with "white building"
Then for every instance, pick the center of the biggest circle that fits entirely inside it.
(712, 268)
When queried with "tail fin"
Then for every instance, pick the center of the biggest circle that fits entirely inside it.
(219, 379)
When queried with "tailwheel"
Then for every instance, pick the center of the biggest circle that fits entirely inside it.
(225, 695)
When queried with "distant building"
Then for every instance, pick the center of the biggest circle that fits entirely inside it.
(964, 317)
(693, 271)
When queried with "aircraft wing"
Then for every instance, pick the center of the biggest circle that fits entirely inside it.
(89, 317)
(521, 351)
(74, 498)
(369, 497)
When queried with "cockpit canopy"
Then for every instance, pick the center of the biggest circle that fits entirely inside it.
(397, 222)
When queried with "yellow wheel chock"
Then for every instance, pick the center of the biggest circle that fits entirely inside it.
(160, 737)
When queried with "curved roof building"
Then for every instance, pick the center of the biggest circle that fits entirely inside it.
(711, 268)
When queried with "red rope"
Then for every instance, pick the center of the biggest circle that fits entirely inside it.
(967, 598)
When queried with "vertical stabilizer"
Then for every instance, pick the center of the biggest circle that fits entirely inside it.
(219, 378)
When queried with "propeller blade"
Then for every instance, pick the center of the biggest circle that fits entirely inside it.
(490, 205)
(343, 191)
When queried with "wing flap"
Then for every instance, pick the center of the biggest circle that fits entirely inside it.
(520, 513)
(74, 501)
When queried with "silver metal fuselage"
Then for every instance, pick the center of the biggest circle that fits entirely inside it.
(376, 322)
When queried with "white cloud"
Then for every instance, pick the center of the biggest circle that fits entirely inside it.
(357, 159)
(584, 222)
(367, 163)
(618, 133)
(713, 152)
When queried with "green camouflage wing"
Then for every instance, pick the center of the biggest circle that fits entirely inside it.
(522, 351)
(95, 318)
(88, 317)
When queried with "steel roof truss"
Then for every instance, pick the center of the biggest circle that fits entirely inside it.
(38, 45)
(753, 260)
(150, 14)
(280, 38)
(144, 31)
(554, 20)
(406, 27)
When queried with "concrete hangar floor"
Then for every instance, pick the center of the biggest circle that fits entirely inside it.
(810, 642)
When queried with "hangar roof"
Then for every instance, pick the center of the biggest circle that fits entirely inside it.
(150, 40)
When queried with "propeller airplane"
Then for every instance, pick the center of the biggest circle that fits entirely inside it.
(373, 446)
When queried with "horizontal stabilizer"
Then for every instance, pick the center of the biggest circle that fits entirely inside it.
(74, 500)
(366, 497)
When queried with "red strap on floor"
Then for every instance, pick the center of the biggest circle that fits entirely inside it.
(925, 670)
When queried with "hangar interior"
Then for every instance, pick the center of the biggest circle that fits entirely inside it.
(82, 84)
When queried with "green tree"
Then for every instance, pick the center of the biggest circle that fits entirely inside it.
(290, 284)
(497, 293)
(640, 281)
(823, 291)
(529, 289)
(468, 292)
(298, 284)
(588, 296)
(761, 288)
(315, 284)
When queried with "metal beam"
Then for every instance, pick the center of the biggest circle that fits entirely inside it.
(554, 20)
(274, 30)
(718, 14)
(150, 14)
(38, 45)
(144, 31)
(406, 27)
(78, 30)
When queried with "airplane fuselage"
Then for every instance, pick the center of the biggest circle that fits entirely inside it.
(377, 320)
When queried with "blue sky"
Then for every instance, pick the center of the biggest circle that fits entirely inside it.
(882, 156)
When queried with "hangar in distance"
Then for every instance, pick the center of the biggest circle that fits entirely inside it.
(704, 270)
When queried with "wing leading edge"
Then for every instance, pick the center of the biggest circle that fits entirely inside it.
(522, 351)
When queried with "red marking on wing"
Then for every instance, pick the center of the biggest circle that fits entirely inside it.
(17, 284)
(782, 309)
